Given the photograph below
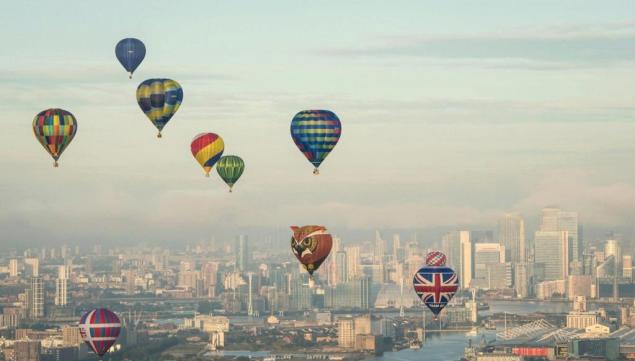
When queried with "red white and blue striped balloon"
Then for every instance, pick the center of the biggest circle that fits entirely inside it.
(100, 328)
(435, 258)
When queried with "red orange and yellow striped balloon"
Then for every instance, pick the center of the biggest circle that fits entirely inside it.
(207, 148)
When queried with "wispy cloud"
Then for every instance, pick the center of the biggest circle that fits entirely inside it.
(550, 48)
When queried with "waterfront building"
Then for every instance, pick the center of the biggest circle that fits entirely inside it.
(521, 279)
(603, 348)
(346, 332)
(548, 289)
(551, 250)
(554, 219)
(579, 304)
(582, 320)
(579, 286)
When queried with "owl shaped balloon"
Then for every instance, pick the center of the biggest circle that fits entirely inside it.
(311, 245)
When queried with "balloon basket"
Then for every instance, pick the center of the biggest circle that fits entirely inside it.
(159, 135)
(316, 171)
(55, 164)
(230, 190)
(207, 175)
(130, 76)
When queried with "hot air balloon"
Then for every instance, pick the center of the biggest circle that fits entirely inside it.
(54, 129)
(311, 245)
(315, 133)
(99, 328)
(130, 53)
(207, 148)
(159, 99)
(435, 283)
(230, 168)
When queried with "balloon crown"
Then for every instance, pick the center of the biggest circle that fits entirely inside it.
(435, 258)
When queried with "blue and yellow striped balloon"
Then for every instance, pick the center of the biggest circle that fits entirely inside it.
(315, 133)
(159, 99)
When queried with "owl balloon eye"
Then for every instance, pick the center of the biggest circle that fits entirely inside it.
(307, 241)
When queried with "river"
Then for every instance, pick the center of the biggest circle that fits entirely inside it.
(451, 346)
(446, 346)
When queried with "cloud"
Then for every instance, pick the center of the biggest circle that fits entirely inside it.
(550, 48)
(599, 203)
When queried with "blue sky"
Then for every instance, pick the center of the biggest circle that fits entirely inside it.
(453, 112)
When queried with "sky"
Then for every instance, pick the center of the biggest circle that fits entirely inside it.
(452, 113)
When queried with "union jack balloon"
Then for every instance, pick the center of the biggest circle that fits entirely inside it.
(99, 328)
(436, 285)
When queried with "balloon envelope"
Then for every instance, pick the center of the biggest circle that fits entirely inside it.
(159, 100)
(130, 53)
(315, 133)
(54, 129)
(207, 148)
(99, 328)
(435, 258)
(435, 286)
(230, 168)
(311, 245)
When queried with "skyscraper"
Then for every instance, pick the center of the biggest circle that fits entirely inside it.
(612, 248)
(353, 261)
(451, 245)
(209, 273)
(554, 219)
(467, 259)
(380, 249)
(488, 258)
(396, 246)
(511, 234)
(61, 287)
(341, 268)
(243, 255)
(36, 298)
(521, 280)
(459, 252)
(552, 252)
